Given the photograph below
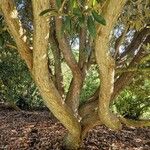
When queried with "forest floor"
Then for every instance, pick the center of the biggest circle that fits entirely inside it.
(38, 130)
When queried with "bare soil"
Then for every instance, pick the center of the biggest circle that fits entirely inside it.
(39, 130)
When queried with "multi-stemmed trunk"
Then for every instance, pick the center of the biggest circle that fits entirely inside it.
(37, 62)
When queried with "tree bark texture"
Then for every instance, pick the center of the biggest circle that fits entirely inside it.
(37, 61)
(15, 28)
(106, 63)
(41, 75)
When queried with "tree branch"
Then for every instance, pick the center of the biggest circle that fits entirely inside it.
(15, 28)
(135, 123)
(124, 79)
(119, 41)
(72, 98)
(135, 69)
(73, 94)
(46, 87)
(82, 48)
(139, 37)
(106, 63)
(57, 64)
(66, 49)
(121, 82)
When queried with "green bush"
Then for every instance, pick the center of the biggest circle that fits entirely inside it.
(15, 80)
(91, 83)
(132, 106)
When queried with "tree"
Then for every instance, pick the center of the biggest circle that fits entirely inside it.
(110, 37)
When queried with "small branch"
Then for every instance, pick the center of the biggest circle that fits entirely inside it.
(139, 37)
(76, 84)
(62, 6)
(66, 50)
(119, 41)
(133, 70)
(11, 46)
(82, 48)
(135, 123)
(72, 98)
(50, 71)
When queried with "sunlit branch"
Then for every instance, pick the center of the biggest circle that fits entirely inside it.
(15, 28)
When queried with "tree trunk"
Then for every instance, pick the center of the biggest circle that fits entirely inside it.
(46, 87)
(106, 63)
(38, 64)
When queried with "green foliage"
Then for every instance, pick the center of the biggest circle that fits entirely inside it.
(91, 26)
(131, 105)
(67, 24)
(75, 14)
(90, 85)
(15, 80)
(98, 18)
(58, 2)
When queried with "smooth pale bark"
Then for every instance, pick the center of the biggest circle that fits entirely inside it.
(15, 29)
(106, 63)
(41, 75)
